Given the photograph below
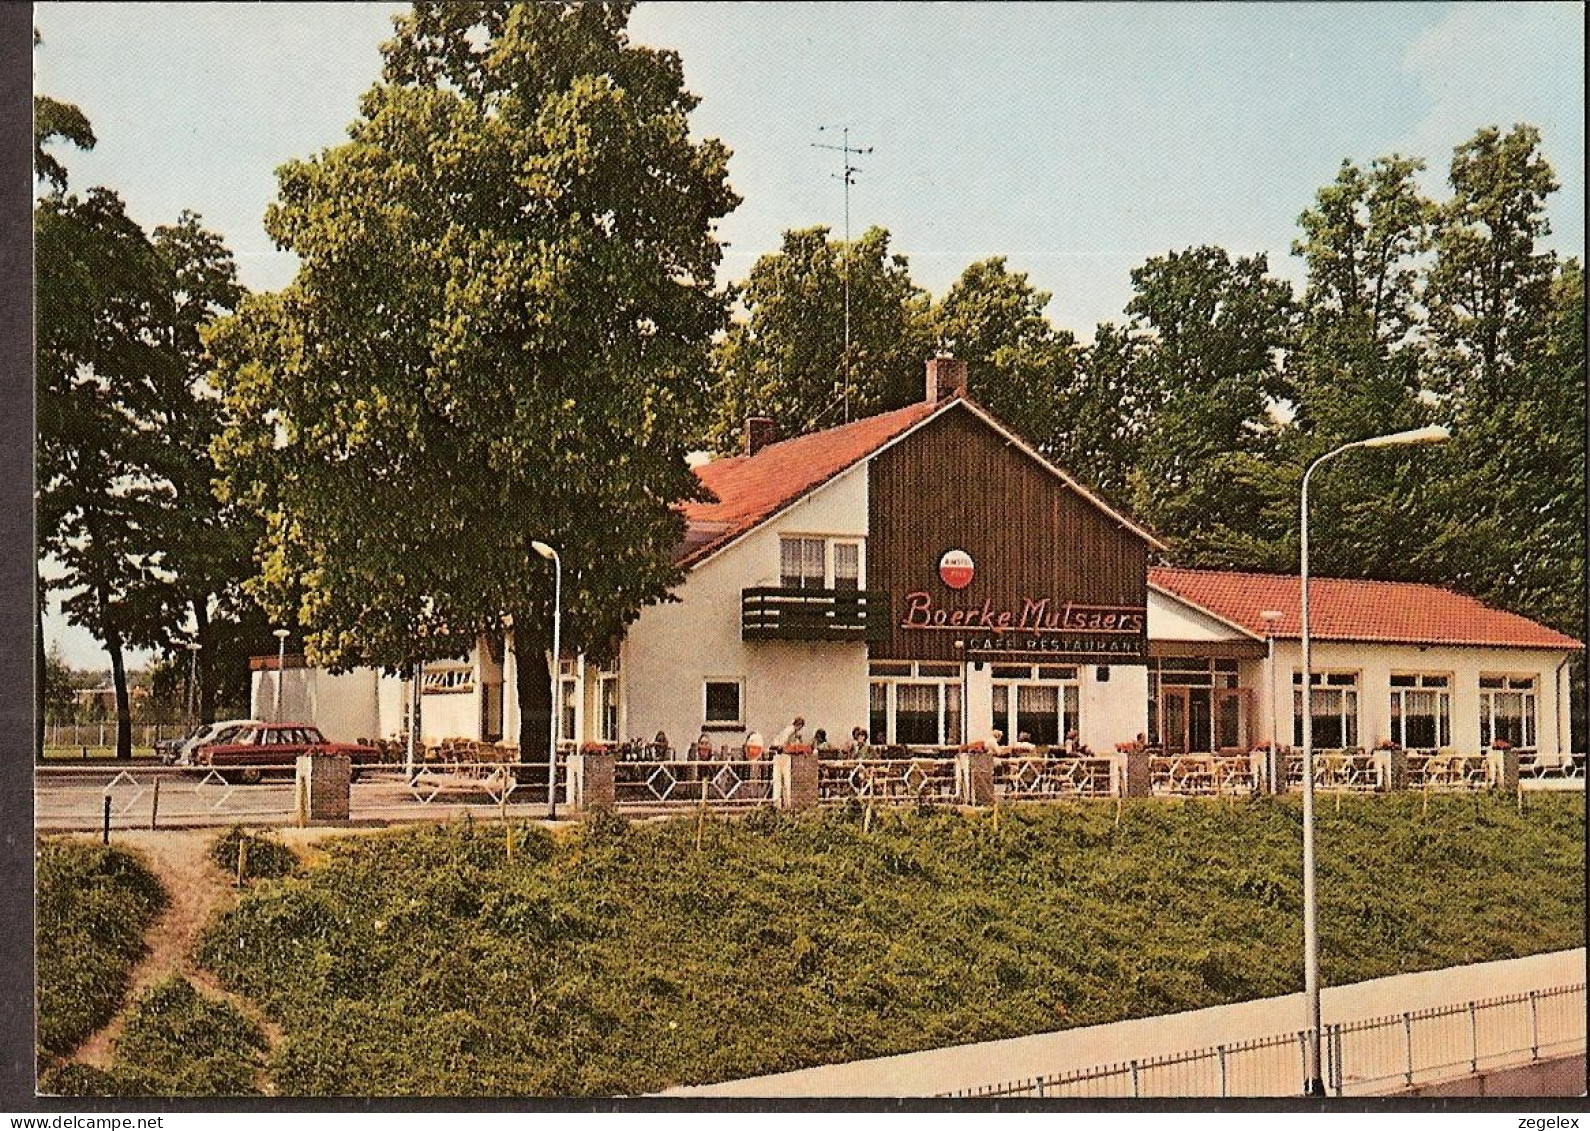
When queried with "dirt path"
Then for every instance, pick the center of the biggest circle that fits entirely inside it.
(196, 889)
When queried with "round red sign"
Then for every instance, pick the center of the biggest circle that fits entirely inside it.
(955, 569)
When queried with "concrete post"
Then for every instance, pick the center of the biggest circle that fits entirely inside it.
(1398, 778)
(974, 777)
(590, 782)
(1508, 771)
(323, 786)
(1137, 773)
(795, 779)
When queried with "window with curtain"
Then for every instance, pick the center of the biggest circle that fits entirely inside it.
(916, 714)
(1421, 711)
(1507, 711)
(1333, 703)
(801, 563)
(847, 566)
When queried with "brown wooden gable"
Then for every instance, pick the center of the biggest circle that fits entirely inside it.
(1043, 552)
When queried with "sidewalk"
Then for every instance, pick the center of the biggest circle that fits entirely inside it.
(938, 1071)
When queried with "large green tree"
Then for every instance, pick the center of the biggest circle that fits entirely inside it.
(497, 335)
(1017, 362)
(1209, 372)
(785, 357)
(101, 379)
(1508, 334)
(1359, 367)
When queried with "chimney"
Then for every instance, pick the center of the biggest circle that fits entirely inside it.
(760, 431)
(946, 377)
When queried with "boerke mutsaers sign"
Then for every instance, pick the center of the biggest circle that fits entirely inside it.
(1104, 632)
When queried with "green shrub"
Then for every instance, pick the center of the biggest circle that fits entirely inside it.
(93, 906)
(266, 859)
(176, 1042)
(622, 960)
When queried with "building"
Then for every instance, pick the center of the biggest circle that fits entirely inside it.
(927, 575)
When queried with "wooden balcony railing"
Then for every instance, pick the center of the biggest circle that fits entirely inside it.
(768, 613)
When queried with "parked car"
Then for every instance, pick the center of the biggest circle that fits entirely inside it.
(179, 751)
(260, 747)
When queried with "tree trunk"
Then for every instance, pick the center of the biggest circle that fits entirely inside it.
(206, 698)
(118, 672)
(533, 685)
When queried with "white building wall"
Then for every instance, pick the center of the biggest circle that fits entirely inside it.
(1115, 710)
(673, 648)
(1375, 664)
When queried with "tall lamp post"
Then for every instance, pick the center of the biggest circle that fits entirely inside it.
(281, 669)
(551, 555)
(192, 701)
(1315, 1086)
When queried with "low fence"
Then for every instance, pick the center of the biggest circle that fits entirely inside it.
(1373, 1057)
(718, 782)
(1035, 778)
(925, 780)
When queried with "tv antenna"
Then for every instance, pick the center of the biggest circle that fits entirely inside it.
(848, 175)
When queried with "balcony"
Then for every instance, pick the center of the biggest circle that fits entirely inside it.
(814, 614)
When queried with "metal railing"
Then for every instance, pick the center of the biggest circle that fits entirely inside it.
(1041, 778)
(1384, 1054)
(887, 780)
(1203, 775)
(717, 782)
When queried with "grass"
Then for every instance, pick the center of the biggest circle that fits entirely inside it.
(93, 906)
(617, 959)
(176, 1042)
(265, 859)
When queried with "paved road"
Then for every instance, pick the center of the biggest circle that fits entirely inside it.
(941, 1071)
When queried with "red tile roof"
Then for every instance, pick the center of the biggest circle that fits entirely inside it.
(751, 489)
(1341, 609)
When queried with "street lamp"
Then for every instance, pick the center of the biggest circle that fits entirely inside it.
(1315, 1086)
(192, 700)
(281, 668)
(551, 555)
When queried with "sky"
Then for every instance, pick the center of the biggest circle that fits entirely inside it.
(1076, 140)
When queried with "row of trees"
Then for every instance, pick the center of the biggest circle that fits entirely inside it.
(131, 535)
(505, 329)
(1201, 411)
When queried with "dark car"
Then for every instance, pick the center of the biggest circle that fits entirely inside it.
(261, 747)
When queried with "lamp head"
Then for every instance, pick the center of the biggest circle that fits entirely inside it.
(1434, 434)
(1271, 616)
(544, 550)
(280, 633)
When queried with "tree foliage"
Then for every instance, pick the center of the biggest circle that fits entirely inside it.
(1018, 365)
(497, 335)
(785, 358)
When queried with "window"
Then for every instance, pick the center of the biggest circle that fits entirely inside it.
(1421, 711)
(607, 698)
(847, 566)
(724, 704)
(821, 563)
(801, 563)
(921, 708)
(1045, 711)
(569, 697)
(447, 678)
(1333, 705)
(1507, 710)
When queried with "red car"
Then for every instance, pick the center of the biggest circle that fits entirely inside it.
(263, 746)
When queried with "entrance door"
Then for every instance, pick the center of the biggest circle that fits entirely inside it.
(1188, 723)
(1200, 721)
